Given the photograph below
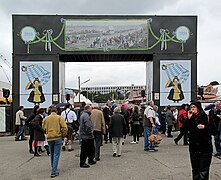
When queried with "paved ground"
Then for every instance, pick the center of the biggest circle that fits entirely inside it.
(171, 162)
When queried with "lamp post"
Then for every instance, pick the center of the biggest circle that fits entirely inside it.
(79, 85)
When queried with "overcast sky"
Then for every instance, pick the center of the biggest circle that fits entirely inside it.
(209, 35)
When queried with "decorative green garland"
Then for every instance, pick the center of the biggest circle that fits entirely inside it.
(47, 38)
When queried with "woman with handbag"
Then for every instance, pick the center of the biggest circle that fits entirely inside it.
(200, 142)
(39, 135)
(31, 127)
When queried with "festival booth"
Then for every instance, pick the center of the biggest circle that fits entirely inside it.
(5, 120)
(82, 99)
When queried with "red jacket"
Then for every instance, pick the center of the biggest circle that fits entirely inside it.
(184, 113)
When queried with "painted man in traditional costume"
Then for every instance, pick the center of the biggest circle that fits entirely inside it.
(176, 93)
(36, 96)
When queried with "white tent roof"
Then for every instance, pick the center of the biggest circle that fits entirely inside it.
(82, 99)
(5, 85)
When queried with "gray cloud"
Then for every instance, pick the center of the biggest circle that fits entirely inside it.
(208, 12)
(84, 6)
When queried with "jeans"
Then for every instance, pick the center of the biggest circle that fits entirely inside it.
(200, 165)
(98, 141)
(147, 133)
(217, 143)
(55, 149)
(21, 132)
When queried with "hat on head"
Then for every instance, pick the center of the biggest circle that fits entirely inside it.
(197, 104)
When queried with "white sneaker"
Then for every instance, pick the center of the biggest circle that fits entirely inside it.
(133, 142)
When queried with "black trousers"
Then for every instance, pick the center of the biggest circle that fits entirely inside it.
(183, 134)
(87, 151)
(135, 129)
(106, 136)
(169, 130)
(98, 141)
(31, 141)
(200, 165)
(163, 127)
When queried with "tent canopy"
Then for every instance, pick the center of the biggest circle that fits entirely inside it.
(82, 99)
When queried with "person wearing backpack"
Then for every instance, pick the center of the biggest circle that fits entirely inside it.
(69, 117)
(182, 116)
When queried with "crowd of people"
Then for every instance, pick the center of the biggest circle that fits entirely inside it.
(53, 130)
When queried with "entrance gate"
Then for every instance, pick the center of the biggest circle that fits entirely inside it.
(43, 43)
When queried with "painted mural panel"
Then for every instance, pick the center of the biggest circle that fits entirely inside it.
(106, 34)
(35, 83)
(175, 82)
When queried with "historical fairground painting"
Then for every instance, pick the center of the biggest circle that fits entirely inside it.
(35, 83)
(106, 34)
(175, 82)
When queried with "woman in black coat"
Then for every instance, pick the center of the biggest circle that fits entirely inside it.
(135, 124)
(31, 127)
(200, 143)
(38, 130)
(117, 129)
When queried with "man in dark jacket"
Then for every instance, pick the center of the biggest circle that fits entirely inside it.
(107, 114)
(86, 135)
(117, 129)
